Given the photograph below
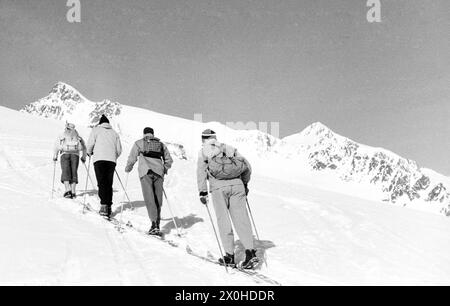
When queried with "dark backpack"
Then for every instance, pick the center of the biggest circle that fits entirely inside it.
(223, 166)
(153, 148)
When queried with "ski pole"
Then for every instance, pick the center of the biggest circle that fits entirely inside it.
(215, 233)
(124, 190)
(90, 178)
(171, 213)
(123, 200)
(121, 209)
(251, 217)
(54, 173)
(254, 226)
(92, 182)
(85, 188)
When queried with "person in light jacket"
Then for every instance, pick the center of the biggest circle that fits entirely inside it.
(229, 195)
(69, 145)
(154, 162)
(105, 147)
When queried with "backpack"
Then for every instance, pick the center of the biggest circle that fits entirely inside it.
(70, 144)
(153, 148)
(223, 166)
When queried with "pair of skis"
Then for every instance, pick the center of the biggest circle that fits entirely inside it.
(255, 275)
(122, 226)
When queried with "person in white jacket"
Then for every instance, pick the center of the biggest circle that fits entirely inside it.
(105, 147)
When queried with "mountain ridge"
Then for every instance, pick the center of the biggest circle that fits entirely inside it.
(399, 180)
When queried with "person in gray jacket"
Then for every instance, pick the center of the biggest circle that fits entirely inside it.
(105, 147)
(154, 162)
(228, 174)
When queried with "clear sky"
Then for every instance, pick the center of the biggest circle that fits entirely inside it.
(294, 62)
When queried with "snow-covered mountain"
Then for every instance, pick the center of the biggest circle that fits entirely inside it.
(66, 103)
(317, 148)
(398, 179)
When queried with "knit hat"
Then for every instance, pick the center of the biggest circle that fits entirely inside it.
(103, 119)
(148, 130)
(208, 133)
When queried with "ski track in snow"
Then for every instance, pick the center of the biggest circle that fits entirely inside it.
(309, 236)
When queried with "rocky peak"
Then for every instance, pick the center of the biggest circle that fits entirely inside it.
(317, 129)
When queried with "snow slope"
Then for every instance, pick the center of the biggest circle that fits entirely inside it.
(50, 242)
(310, 235)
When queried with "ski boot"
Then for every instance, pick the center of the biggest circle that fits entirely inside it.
(105, 211)
(251, 260)
(227, 260)
(154, 230)
(68, 194)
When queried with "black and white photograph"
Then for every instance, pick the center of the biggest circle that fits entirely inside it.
(239, 144)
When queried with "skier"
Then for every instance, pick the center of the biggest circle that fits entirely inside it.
(105, 147)
(228, 174)
(69, 144)
(154, 162)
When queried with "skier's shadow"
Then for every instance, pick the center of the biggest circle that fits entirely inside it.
(129, 206)
(185, 222)
(92, 192)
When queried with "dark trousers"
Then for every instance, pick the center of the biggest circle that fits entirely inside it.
(104, 172)
(69, 168)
